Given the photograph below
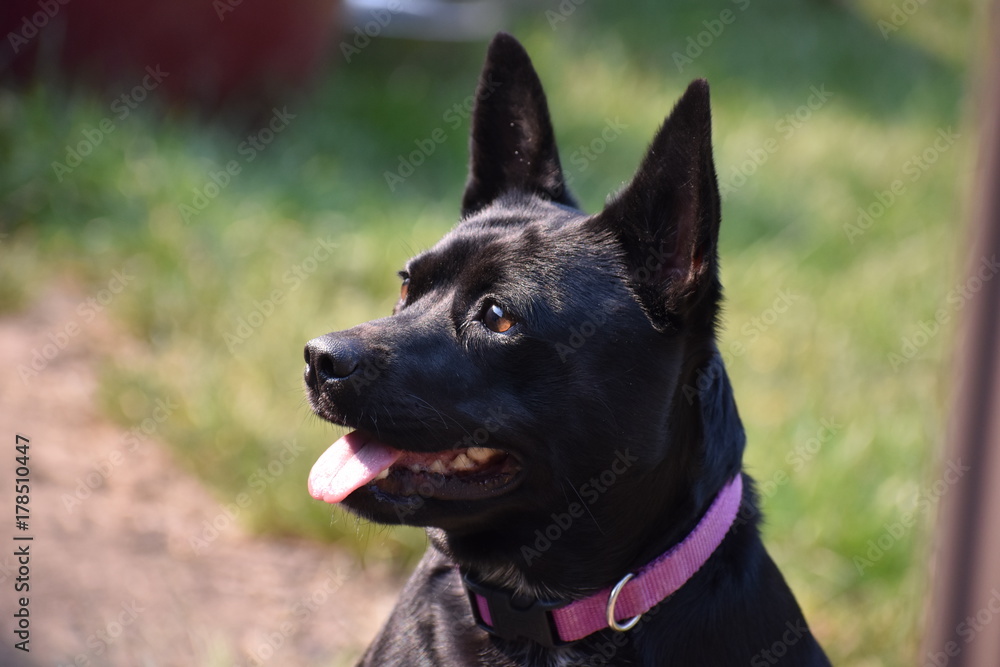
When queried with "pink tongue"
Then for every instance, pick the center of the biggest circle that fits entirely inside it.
(348, 464)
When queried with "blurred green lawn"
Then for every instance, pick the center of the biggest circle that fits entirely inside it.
(816, 113)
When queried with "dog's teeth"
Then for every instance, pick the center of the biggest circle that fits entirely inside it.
(438, 466)
(382, 475)
(462, 462)
(416, 467)
(479, 454)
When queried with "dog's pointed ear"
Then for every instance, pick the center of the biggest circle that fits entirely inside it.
(667, 218)
(512, 146)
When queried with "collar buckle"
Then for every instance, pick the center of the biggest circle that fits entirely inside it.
(512, 619)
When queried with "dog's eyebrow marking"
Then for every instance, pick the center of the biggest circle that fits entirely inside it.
(421, 272)
(426, 269)
(412, 267)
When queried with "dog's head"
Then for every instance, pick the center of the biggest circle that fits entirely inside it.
(541, 362)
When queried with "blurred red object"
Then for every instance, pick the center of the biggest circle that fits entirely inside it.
(209, 52)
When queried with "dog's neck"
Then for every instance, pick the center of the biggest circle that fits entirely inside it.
(670, 499)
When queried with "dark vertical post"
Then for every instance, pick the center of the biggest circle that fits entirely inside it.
(963, 617)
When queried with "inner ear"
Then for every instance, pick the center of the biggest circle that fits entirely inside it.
(512, 145)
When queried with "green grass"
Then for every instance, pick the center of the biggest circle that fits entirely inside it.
(201, 286)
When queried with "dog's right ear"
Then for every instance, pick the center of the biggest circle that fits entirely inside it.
(667, 218)
(512, 146)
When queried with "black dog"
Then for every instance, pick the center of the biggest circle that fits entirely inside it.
(548, 399)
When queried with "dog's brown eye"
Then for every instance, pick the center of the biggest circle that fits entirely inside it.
(496, 319)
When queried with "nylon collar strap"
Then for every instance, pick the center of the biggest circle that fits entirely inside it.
(618, 607)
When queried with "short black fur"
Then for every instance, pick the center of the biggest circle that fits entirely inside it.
(612, 353)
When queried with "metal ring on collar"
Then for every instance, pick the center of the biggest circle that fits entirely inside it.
(612, 600)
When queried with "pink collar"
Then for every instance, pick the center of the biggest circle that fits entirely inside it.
(619, 607)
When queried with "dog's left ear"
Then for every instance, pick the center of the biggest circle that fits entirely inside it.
(512, 145)
(667, 218)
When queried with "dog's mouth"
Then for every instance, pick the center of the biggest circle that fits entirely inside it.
(358, 460)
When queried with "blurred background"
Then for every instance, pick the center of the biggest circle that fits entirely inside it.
(189, 191)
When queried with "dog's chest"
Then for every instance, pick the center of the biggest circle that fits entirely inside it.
(568, 657)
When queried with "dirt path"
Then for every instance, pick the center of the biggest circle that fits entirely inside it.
(114, 580)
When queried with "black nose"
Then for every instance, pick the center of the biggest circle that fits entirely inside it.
(330, 357)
